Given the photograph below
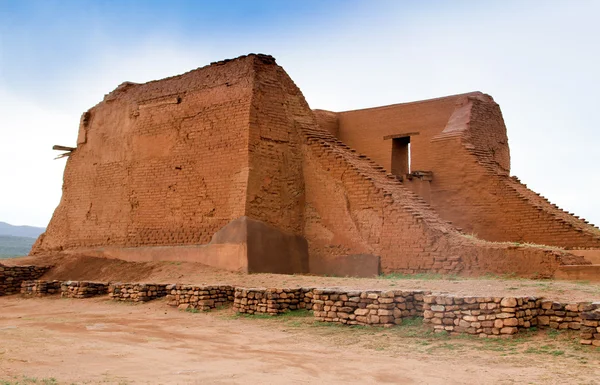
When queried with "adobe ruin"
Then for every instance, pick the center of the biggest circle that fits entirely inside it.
(227, 165)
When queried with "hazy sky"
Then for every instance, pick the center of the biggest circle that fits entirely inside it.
(540, 60)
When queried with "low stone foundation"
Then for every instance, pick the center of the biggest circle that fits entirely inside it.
(269, 301)
(590, 325)
(40, 288)
(557, 315)
(11, 277)
(485, 316)
(82, 289)
(199, 297)
(386, 308)
(136, 292)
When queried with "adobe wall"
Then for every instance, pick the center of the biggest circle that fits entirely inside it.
(472, 188)
(163, 168)
(364, 130)
(462, 139)
(275, 185)
(161, 163)
(354, 207)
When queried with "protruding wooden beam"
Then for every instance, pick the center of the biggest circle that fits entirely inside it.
(63, 148)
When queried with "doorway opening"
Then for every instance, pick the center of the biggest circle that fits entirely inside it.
(401, 156)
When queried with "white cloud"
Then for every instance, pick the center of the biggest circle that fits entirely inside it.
(537, 59)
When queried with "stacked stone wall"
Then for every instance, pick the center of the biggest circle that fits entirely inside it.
(557, 315)
(82, 289)
(269, 301)
(136, 292)
(199, 297)
(385, 308)
(11, 277)
(485, 316)
(39, 288)
(590, 325)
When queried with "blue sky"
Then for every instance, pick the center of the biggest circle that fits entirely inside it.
(538, 59)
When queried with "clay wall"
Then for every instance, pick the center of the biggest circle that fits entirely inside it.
(496, 207)
(462, 139)
(328, 121)
(171, 162)
(354, 207)
(275, 186)
(364, 130)
(161, 163)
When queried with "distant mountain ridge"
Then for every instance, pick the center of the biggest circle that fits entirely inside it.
(11, 246)
(20, 231)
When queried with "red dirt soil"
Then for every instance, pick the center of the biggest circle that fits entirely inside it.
(100, 341)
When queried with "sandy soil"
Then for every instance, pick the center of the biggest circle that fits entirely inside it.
(86, 268)
(99, 341)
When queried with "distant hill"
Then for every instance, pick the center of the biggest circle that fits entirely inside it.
(14, 246)
(20, 231)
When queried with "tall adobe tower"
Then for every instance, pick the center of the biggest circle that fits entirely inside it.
(227, 165)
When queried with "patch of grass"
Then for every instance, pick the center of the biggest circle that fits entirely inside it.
(545, 349)
(25, 380)
(252, 316)
(300, 313)
(422, 276)
(412, 321)
(192, 310)
(553, 333)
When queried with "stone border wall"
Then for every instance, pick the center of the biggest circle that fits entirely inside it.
(83, 289)
(199, 297)
(11, 277)
(355, 307)
(590, 325)
(485, 316)
(269, 301)
(40, 288)
(136, 292)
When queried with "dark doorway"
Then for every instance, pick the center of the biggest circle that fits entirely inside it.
(401, 156)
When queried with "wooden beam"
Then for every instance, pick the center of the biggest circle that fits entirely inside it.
(63, 148)
(395, 136)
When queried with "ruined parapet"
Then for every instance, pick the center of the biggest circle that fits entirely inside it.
(270, 301)
(590, 329)
(40, 288)
(371, 307)
(136, 292)
(83, 289)
(11, 277)
(199, 297)
(483, 316)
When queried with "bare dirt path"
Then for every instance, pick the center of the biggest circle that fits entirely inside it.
(98, 341)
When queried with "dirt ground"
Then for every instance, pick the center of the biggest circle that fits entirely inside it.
(96, 341)
(65, 341)
(100, 269)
